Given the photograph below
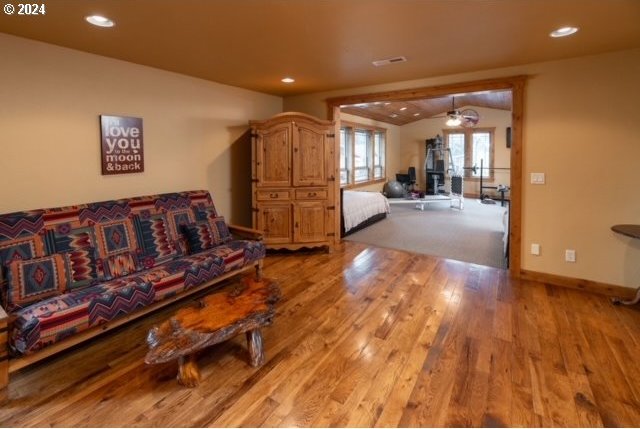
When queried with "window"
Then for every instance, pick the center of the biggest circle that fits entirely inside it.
(361, 156)
(345, 156)
(470, 147)
(378, 154)
(362, 153)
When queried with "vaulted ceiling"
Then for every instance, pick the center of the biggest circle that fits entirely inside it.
(405, 112)
(331, 44)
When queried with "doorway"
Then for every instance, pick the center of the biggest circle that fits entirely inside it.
(516, 86)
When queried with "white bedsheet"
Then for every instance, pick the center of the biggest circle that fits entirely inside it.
(358, 206)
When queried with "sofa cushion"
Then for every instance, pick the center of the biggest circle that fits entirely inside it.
(172, 277)
(57, 318)
(120, 265)
(238, 253)
(32, 280)
(65, 238)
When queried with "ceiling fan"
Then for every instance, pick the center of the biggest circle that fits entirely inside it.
(465, 118)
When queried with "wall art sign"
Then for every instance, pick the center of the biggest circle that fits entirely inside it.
(122, 149)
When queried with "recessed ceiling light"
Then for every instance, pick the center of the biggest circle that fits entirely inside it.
(563, 32)
(403, 108)
(387, 103)
(100, 21)
(393, 115)
(288, 80)
(416, 114)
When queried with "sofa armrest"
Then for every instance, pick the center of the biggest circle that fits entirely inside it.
(243, 231)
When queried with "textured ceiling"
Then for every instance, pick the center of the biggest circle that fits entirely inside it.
(330, 44)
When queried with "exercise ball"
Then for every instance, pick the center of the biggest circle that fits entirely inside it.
(393, 189)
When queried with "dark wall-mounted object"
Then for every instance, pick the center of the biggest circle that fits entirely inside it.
(508, 137)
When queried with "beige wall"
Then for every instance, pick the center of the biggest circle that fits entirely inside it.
(413, 137)
(581, 130)
(51, 97)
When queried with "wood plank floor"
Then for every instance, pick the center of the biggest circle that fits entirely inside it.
(367, 337)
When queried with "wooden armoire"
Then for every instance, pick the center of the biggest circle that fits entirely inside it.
(295, 193)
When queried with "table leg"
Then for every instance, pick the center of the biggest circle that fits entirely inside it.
(617, 301)
(188, 372)
(256, 348)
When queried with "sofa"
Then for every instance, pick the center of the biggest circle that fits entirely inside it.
(70, 273)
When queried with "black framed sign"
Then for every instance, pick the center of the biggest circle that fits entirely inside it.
(121, 144)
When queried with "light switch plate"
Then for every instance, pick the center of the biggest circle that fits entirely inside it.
(537, 178)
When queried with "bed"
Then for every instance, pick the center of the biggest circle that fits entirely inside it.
(361, 209)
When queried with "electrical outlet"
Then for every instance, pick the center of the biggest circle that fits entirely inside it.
(537, 178)
(570, 255)
(535, 249)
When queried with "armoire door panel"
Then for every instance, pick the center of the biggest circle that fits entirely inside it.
(275, 222)
(309, 222)
(274, 156)
(309, 156)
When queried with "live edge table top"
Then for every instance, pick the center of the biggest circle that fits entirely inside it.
(247, 306)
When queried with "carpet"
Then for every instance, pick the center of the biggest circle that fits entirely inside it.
(470, 235)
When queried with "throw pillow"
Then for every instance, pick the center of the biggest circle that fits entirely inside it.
(176, 218)
(154, 239)
(81, 267)
(33, 280)
(198, 237)
(219, 230)
(115, 237)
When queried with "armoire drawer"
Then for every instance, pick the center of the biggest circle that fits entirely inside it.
(311, 194)
(273, 195)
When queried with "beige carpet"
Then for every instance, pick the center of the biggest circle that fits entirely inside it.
(470, 235)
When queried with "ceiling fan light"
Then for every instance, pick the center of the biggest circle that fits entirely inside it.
(453, 121)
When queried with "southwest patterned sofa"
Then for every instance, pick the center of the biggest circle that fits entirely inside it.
(70, 273)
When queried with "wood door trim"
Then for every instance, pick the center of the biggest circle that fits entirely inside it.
(517, 86)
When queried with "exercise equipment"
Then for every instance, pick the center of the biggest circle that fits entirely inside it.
(436, 164)
(393, 189)
(500, 188)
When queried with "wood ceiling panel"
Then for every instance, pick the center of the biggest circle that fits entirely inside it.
(330, 44)
(406, 112)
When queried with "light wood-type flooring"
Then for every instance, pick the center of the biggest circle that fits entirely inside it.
(367, 337)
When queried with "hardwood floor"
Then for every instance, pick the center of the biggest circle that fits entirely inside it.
(367, 337)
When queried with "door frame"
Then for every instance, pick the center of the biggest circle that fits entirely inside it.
(517, 86)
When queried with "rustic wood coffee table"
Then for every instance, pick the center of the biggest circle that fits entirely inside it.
(247, 307)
